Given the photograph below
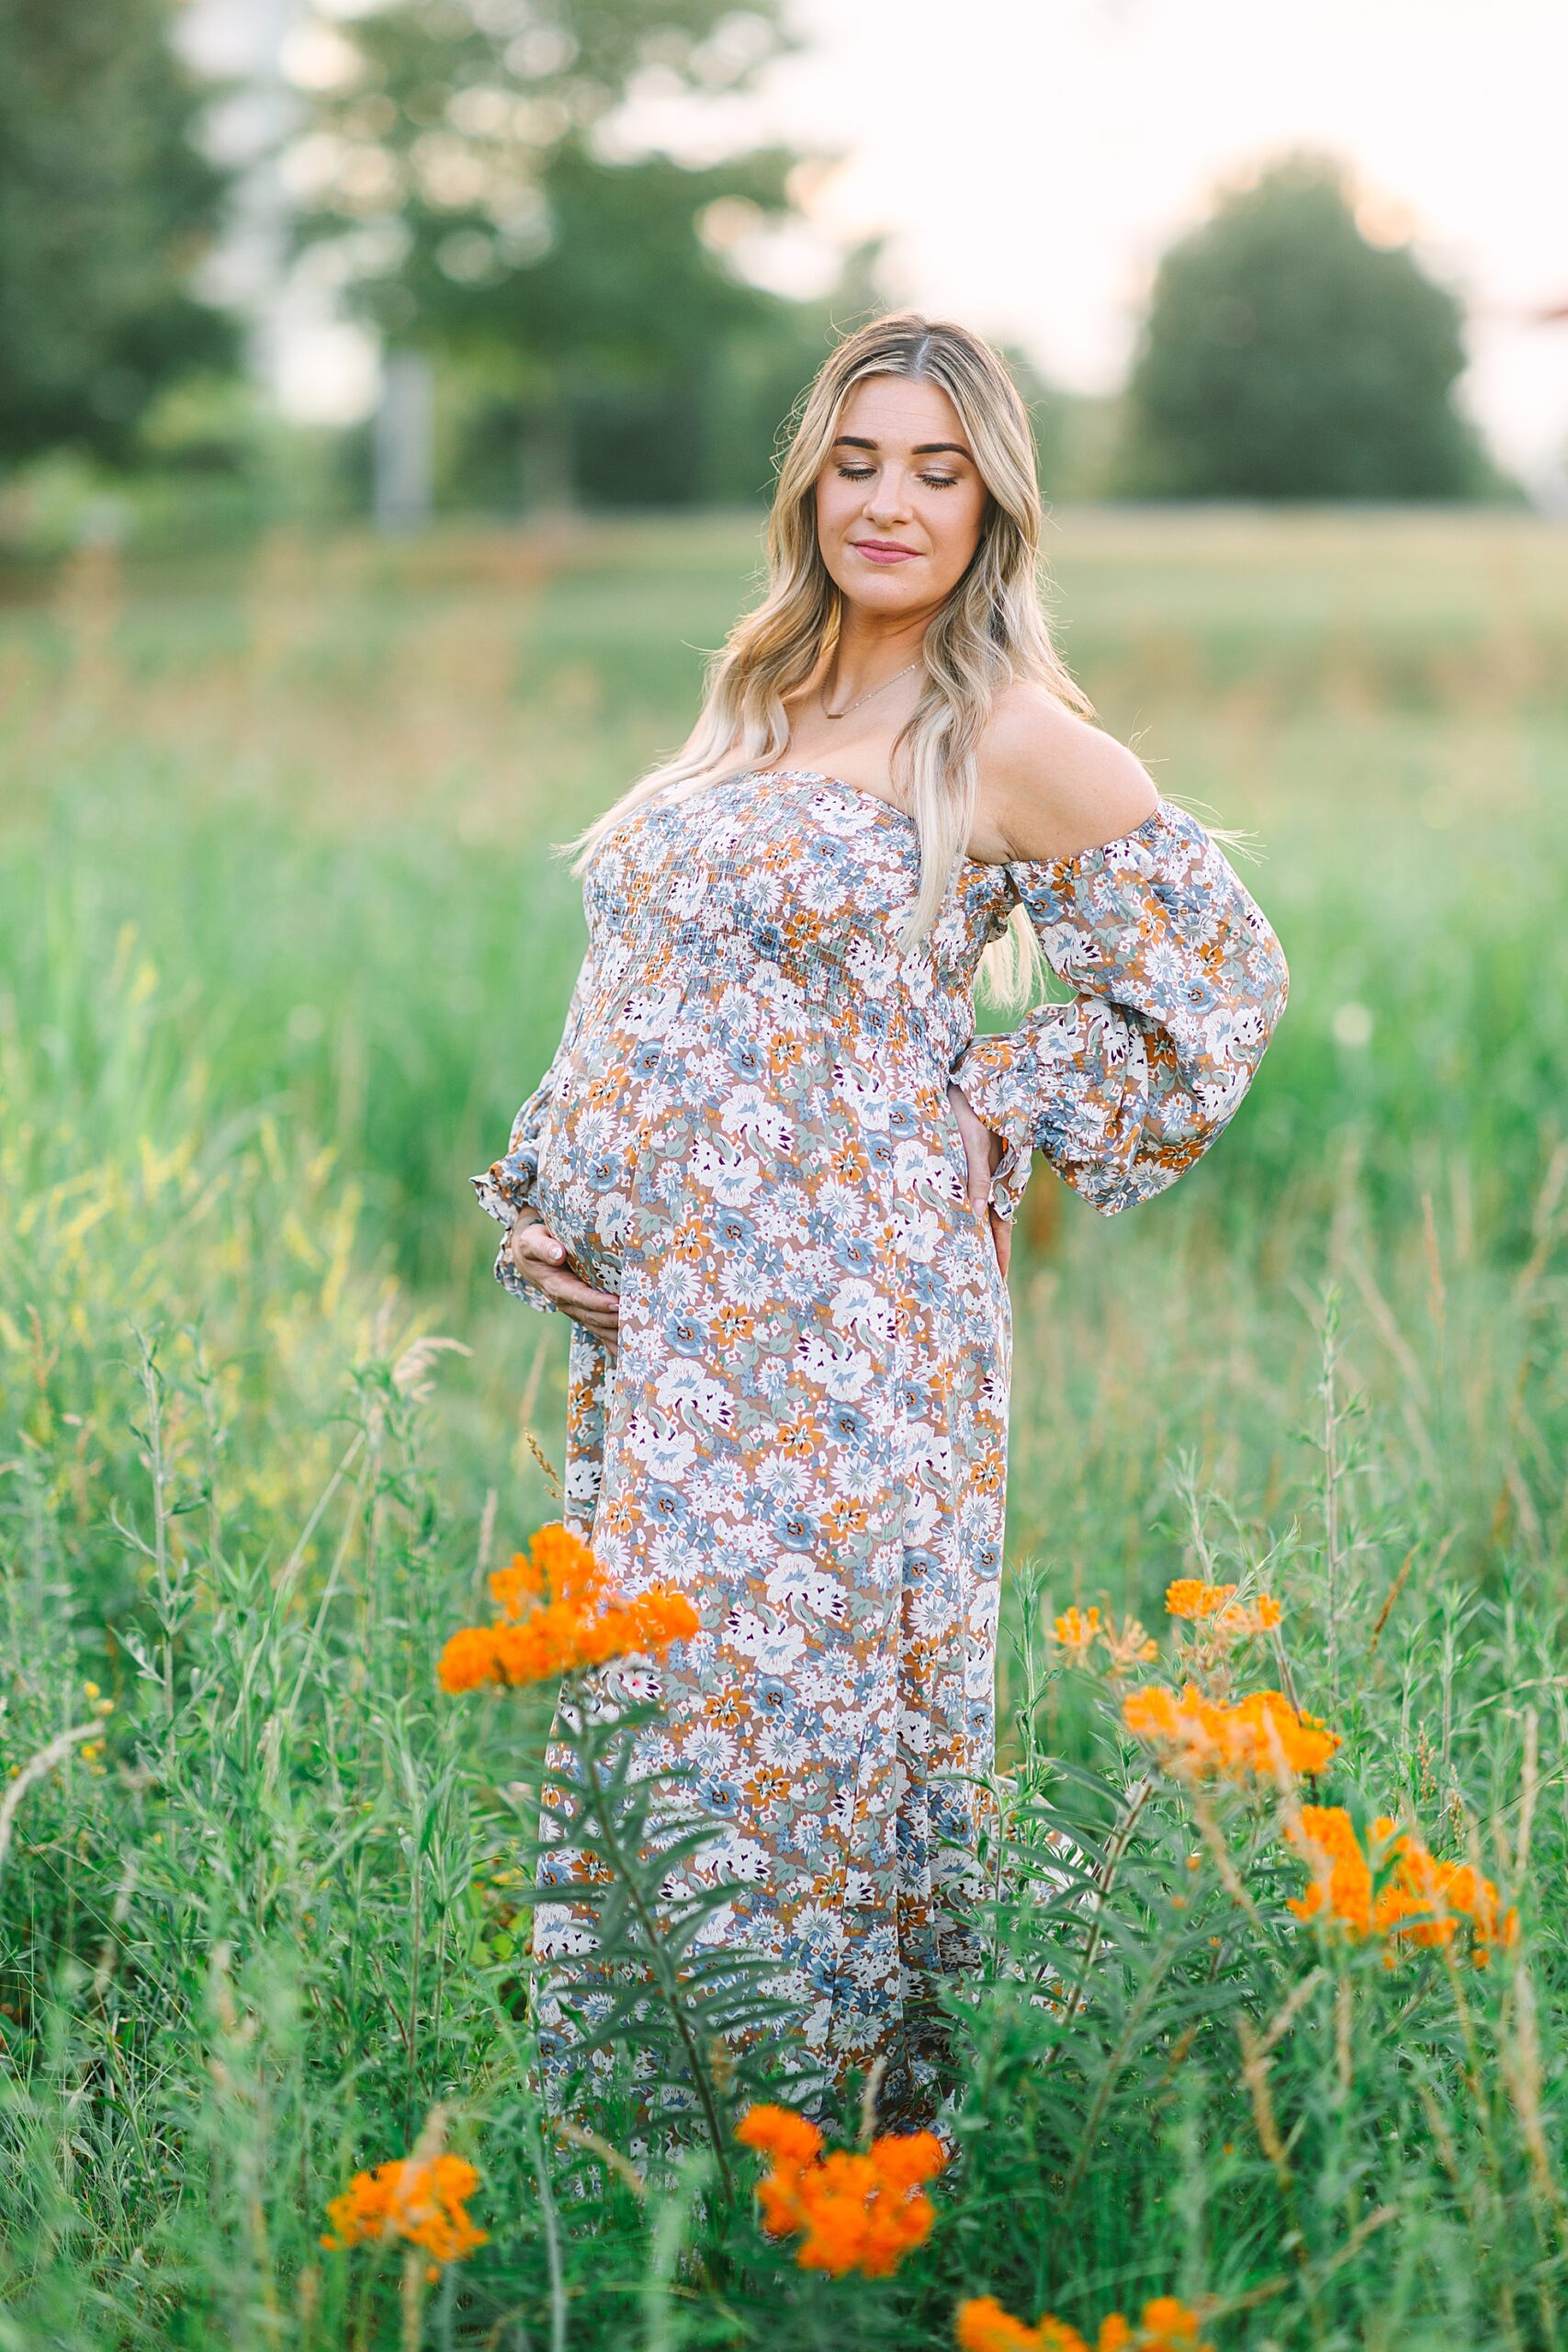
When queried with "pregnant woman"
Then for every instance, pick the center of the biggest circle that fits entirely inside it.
(771, 1171)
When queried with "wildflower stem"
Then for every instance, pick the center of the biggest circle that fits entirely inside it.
(1210, 1831)
(411, 2298)
(1116, 1853)
(593, 2145)
(551, 2225)
(668, 2239)
(868, 2097)
(1396, 1588)
(1127, 2041)
(1331, 1486)
(152, 1390)
(1287, 1679)
(552, 1475)
(291, 1567)
(667, 1977)
(36, 1768)
(1530, 1789)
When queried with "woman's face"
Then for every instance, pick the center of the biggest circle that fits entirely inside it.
(900, 501)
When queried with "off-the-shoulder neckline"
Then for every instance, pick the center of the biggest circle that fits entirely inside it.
(860, 792)
(987, 864)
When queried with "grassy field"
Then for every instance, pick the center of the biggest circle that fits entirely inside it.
(281, 948)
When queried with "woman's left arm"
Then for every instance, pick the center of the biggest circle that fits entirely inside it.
(1178, 982)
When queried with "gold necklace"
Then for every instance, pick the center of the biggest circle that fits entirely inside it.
(866, 697)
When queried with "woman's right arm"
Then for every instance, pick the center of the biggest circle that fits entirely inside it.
(530, 1263)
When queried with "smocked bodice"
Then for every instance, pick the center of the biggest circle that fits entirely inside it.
(793, 885)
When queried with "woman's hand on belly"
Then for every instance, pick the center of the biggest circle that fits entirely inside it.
(983, 1152)
(539, 1258)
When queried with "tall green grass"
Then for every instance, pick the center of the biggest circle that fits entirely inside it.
(282, 950)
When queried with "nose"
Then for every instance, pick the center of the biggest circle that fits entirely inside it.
(887, 501)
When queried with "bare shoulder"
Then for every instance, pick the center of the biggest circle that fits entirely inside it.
(1054, 784)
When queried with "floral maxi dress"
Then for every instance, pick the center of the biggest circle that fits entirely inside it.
(745, 1133)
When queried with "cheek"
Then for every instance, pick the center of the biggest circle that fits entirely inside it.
(954, 523)
(833, 506)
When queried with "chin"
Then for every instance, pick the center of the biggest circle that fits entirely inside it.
(884, 592)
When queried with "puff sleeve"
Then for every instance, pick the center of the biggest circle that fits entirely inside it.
(1179, 981)
(506, 1189)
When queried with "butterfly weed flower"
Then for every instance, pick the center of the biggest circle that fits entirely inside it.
(1190, 1598)
(983, 2324)
(559, 1614)
(1393, 1889)
(1076, 1631)
(1128, 1645)
(852, 2209)
(1217, 1614)
(422, 2200)
(1240, 1620)
(1261, 1736)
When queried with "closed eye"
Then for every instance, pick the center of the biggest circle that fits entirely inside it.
(933, 481)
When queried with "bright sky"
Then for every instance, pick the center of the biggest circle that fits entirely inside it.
(1032, 157)
(1029, 160)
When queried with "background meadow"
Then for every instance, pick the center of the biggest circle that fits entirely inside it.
(282, 946)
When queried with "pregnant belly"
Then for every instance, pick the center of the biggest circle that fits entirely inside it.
(633, 1150)
(588, 1158)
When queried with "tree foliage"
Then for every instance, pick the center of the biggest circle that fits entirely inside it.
(106, 206)
(1286, 357)
(462, 168)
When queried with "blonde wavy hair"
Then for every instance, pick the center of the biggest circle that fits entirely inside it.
(991, 629)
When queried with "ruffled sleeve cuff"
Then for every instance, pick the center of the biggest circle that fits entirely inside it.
(1178, 982)
(1071, 1082)
(983, 1074)
(506, 1191)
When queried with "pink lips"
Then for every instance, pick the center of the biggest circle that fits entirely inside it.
(882, 550)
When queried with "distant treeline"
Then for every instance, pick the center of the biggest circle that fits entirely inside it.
(459, 169)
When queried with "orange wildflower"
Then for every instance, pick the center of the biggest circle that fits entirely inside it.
(1190, 1597)
(1128, 1643)
(1214, 1608)
(852, 2211)
(1395, 1889)
(421, 2202)
(779, 2132)
(1166, 2326)
(1198, 1738)
(557, 1614)
(1077, 1631)
(983, 2326)
(1242, 1619)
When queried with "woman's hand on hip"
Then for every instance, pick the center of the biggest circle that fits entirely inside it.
(983, 1152)
(539, 1258)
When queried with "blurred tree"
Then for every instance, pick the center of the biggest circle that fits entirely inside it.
(106, 206)
(758, 375)
(1285, 356)
(460, 167)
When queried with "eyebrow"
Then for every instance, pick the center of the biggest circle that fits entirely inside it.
(921, 448)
